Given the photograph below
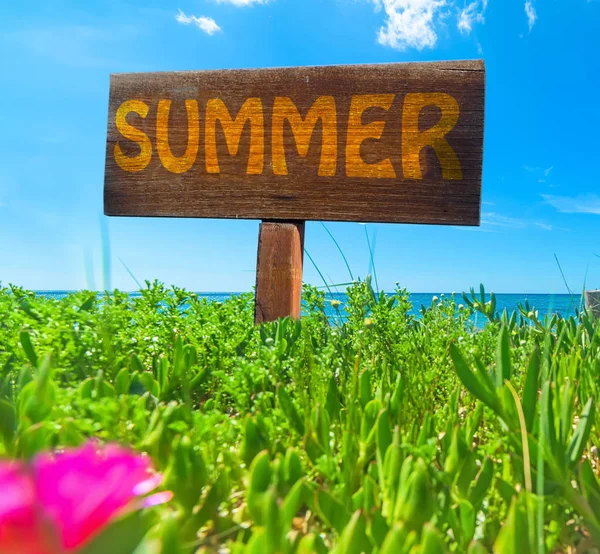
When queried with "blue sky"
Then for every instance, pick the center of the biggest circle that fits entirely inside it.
(541, 193)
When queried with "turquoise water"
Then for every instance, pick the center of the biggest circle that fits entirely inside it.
(564, 304)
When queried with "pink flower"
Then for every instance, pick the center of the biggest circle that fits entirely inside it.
(22, 530)
(75, 493)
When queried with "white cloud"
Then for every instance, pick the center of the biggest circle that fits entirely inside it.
(240, 3)
(499, 220)
(413, 23)
(539, 171)
(477, 230)
(496, 220)
(410, 23)
(531, 14)
(581, 204)
(493, 222)
(471, 14)
(207, 24)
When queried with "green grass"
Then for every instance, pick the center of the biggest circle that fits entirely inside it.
(387, 434)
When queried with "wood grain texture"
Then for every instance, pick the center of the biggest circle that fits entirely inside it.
(279, 270)
(592, 301)
(360, 162)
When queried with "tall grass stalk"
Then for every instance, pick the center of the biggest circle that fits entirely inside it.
(106, 253)
(339, 250)
(565, 281)
(131, 274)
(371, 260)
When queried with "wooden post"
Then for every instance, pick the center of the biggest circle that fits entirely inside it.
(592, 301)
(279, 270)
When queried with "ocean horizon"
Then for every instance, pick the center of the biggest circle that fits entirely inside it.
(564, 304)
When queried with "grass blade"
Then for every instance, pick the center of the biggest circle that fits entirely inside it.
(139, 286)
(372, 259)
(530, 392)
(565, 281)
(339, 249)
(319, 272)
(106, 257)
(470, 380)
(524, 439)
(582, 433)
(503, 370)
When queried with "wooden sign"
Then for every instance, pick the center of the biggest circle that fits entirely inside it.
(395, 143)
(400, 143)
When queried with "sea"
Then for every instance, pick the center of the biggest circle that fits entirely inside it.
(545, 304)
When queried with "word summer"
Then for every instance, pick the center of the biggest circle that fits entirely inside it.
(233, 128)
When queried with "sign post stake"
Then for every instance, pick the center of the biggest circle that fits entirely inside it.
(592, 301)
(279, 270)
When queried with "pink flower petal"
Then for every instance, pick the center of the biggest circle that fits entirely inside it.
(148, 485)
(83, 490)
(18, 492)
(158, 498)
(22, 528)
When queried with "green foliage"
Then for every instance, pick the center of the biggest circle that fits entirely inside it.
(382, 433)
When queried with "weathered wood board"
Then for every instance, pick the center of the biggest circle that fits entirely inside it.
(592, 301)
(279, 270)
(396, 143)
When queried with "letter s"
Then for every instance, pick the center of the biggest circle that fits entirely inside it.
(141, 161)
